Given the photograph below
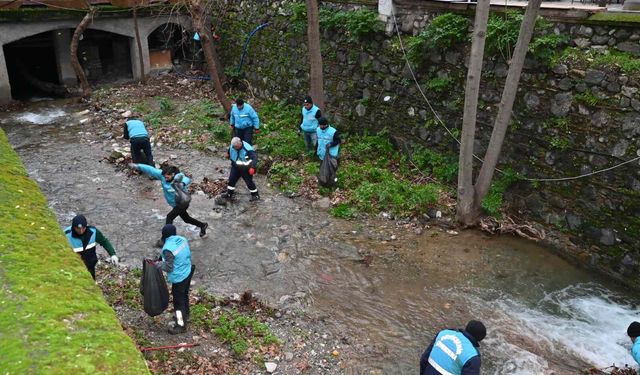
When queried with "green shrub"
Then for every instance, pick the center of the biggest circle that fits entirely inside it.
(344, 211)
(442, 167)
(166, 105)
(358, 24)
(439, 84)
(443, 32)
(285, 176)
(503, 31)
(492, 202)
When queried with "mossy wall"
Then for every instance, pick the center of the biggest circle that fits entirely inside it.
(573, 115)
(53, 318)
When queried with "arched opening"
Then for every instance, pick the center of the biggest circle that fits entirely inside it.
(31, 65)
(104, 56)
(169, 44)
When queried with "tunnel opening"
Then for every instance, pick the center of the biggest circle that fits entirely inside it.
(31, 65)
(104, 56)
(169, 45)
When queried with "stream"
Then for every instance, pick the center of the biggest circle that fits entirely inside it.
(384, 288)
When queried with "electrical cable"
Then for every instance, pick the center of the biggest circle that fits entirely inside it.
(439, 119)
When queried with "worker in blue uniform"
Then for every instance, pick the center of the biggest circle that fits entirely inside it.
(454, 352)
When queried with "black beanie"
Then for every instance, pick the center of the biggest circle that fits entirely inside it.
(477, 329)
(323, 121)
(168, 231)
(307, 99)
(634, 329)
(79, 221)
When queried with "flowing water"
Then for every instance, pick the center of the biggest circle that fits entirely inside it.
(543, 315)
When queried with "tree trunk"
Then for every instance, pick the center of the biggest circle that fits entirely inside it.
(315, 57)
(198, 16)
(143, 77)
(75, 63)
(506, 103)
(465, 212)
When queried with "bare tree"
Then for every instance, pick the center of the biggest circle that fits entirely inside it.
(143, 77)
(506, 102)
(199, 15)
(470, 196)
(465, 162)
(315, 57)
(75, 63)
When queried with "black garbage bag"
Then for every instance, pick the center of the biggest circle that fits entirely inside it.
(183, 198)
(153, 289)
(328, 167)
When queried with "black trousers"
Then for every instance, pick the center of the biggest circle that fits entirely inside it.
(90, 260)
(245, 134)
(184, 215)
(180, 293)
(140, 145)
(235, 175)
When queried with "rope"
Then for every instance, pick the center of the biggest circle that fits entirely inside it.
(439, 119)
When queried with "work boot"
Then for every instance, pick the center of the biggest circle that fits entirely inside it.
(224, 198)
(176, 329)
(254, 197)
(203, 230)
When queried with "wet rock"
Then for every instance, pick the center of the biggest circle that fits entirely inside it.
(573, 221)
(550, 158)
(582, 42)
(600, 119)
(632, 48)
(561, 104)
(531, 100)
(620, 148)
(565, 84)
(594, 77)
(126, 114)
(501, 70)
(270, 366)
(288, 356)
(322, 203)
(585, 31)
(628, 261)
(560, 69)
(361, 110)
(607, 237)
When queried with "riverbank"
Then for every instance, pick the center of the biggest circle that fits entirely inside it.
(53, 319)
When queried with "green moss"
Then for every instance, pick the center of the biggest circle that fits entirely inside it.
(52, 317)
(616, 18)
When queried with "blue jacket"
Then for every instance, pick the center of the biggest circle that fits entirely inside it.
(179, 247)
(245, 118)
(246, 152)
(325, 137)
(309, 120)
(451, 353)
(136, 129)
(167, 189)
(635, 350)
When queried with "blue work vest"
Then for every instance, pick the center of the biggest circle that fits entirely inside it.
(136, 129)
(309, 120)
(240, 155)
(76, 243)
(167, 189)
(451, 350)
(245, 118)
(635, 350)
(324, 138)
(179, 247)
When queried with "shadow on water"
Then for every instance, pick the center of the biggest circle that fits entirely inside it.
(543, 315)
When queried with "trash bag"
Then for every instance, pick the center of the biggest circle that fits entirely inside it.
(328, 167)
(153, 289)
(183, 199)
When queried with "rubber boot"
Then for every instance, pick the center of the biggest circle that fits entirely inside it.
(180, 326)
(224, 198)
(254, 197)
